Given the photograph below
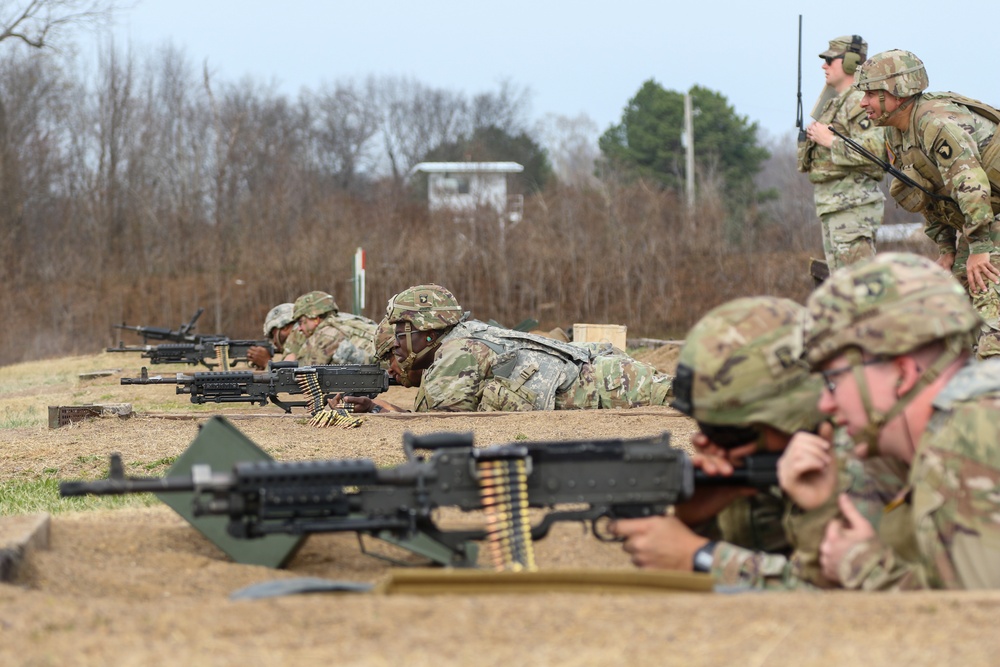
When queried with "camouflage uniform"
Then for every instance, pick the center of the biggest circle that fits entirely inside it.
(951, 148)
(476, 366)
(278, 317)
(893, 305)
(848, 200)
(487, 368)
(339, 338)
(293, 345)
(950, 499)
(740, 367)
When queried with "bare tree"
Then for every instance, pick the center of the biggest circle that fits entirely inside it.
(346, 119)
(416, 119)
(506, 109)
(572, 148)
(39, 23)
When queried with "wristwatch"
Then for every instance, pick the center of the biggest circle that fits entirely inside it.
(703, 557)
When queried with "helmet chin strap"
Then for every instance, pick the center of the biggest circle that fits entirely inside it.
(406, 365)
(886, 115)
(955, 346)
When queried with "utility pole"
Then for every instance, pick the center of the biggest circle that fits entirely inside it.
(688, 153)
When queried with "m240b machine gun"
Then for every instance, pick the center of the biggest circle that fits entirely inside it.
(573, 480)
(209, 352)
(317, 383)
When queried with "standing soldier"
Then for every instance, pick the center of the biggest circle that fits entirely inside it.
(332, 337)
(848, 200)
(949, 147)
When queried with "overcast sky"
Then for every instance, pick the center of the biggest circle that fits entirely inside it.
(576, 57)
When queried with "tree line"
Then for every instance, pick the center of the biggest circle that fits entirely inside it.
(144, 189)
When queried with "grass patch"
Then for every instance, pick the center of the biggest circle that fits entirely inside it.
(20, 418)
(153, 465)
(25, 497)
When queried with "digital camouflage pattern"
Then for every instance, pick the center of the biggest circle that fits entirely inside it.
(277, 317)
(898, 72)
(425, 307)
(314, 304)
(613, 379)
(744, 360)
(292, 346)
(889, 305)
(486, 368)
(954, 485)
(340, 338)
(848, 200)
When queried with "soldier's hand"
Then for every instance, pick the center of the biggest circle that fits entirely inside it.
(946, 261)
(841, 536)
(820, 134)
(708, 501)
(258, 356)
(357, 403)
(980, 272)
(658, 542)
(807, 471)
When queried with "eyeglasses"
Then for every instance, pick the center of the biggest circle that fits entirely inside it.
(829, 59)
(829, 375)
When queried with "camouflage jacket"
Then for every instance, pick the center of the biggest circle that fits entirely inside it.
(877, 487)
(753, 549)
(292, 346)
(954, 489)
(871, 484)
(340, 338)
(487, 368)
(843, 178)
(944, 149)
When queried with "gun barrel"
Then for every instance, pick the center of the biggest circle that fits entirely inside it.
(117, 487)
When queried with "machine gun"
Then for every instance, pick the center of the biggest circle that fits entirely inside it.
(209, 352)
(597, 479)
(317, 383)
(182, 334)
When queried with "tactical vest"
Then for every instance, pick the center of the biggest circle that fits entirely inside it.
(817, 160)
(529, 370)
(923, 171)
(358, 345)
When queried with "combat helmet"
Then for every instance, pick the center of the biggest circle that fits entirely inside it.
(425, 308)
(314, 304)
(279, 316)
(741, 365)
(898, 72)
(885, 307)
(385, 337)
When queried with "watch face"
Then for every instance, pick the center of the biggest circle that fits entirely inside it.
(703, 558)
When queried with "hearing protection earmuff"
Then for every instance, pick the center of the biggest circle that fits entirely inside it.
(853, 57)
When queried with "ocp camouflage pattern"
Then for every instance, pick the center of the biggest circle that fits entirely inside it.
(339, 338)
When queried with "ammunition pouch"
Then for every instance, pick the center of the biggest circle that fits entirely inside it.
(507, 395)
(803, 155)
(910, 198)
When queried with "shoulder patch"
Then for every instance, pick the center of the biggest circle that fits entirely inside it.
(864, 123)
(944, 149)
